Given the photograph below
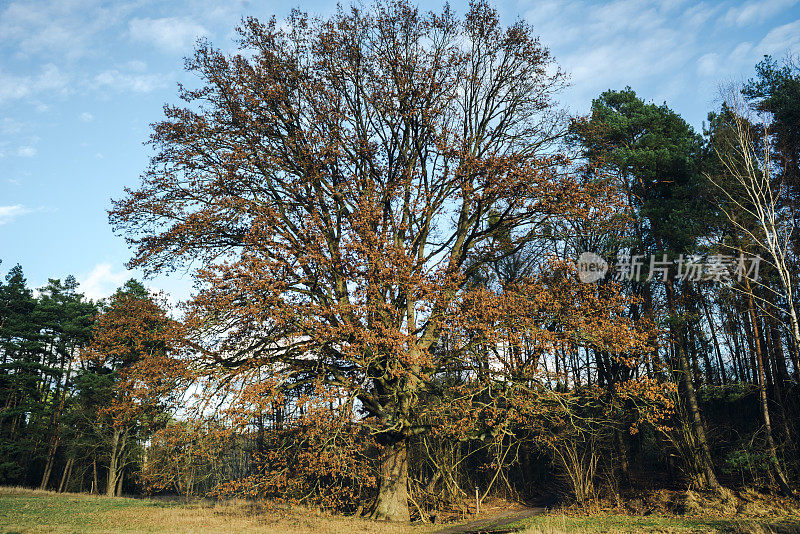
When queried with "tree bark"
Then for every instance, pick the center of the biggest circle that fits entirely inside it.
(685, 374)
(392, 501)
(115, 462)
(762, 395)
(51, 457)
(65, 476)
(119, 482)
(622, 450)
(723, 375)
(95, 481)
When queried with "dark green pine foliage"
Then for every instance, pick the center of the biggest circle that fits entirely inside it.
(654, 156)
(20, 373)
(776, 91)
(39, 340)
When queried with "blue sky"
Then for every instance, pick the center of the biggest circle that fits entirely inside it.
(81, 80)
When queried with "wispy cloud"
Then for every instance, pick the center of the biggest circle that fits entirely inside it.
(63, 30)
(9, 213)
(670, 45)
(50, 79)
(102, 281)
(171, 34)
(755, 11)
(26, 151)
(10, 126)
(613, 44)
(129, 82)
(781, 40)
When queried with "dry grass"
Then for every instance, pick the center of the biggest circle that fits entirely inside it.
(29, 511)
(562, 524)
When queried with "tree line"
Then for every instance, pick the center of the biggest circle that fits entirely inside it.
(78, 401)
(385, 212)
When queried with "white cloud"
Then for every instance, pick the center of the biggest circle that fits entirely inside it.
(137, 83)
(9, 213)
(86, 117)
(675, 50)
(26, 151)
(102, 281)
(781, 39)
(171, 34)
(612, 44)
(777, 42)
(9, 126)
(136, 65)
(756, 11)
(708, 64)
(49, 80)
(64, 30)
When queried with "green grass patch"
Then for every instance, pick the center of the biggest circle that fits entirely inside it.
(651, 523)
(31, 511)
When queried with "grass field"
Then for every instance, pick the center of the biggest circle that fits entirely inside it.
(25, 511)
(654, 524)
(29, 511)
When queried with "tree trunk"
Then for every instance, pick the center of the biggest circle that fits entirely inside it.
(781, 375)
(65, 477)
(51, 457)
(95, 481)
(392, 501)
(723, 375)
(119, 482)
(622, 450)
(685, 375)
(793, 353)
(697, 423)
(51, 454)
(762, 395)
(115, 461)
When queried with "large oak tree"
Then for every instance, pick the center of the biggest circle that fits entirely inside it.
(337, 182)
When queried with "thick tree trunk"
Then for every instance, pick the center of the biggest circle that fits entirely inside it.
(697, 423)
(115, 462)
(119, 482)
(392, 501)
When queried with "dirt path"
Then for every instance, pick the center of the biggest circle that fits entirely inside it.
(494, 525)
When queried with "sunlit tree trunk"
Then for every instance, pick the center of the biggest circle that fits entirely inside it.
(62, 486)
(760, 198)
(392, 499)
